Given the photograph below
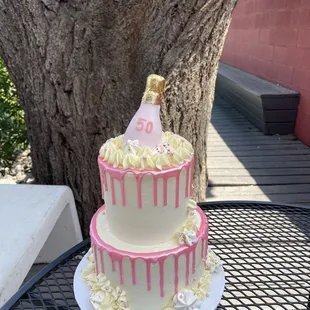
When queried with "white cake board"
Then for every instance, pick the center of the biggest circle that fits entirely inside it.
(82, 294)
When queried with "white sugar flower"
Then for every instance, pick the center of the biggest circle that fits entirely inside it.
(187, 237)
(192, 205)
(186, 300)
(213, 262)
(132, 146)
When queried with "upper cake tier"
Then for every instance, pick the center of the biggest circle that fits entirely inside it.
(146, 190)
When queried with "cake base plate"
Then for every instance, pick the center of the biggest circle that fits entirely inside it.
(82, 294)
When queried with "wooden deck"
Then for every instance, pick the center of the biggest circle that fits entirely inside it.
(244, 164)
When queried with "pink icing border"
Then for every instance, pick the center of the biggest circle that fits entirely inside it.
(117, 255)
(165, 174)
(144, 171)
(154, 255)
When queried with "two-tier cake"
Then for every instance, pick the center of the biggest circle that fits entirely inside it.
(149, 240)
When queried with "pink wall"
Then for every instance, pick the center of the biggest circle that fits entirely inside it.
(271, 39)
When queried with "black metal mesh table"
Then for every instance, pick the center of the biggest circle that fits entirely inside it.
(265, 249)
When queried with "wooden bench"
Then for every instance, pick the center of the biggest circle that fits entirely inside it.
(270, 107)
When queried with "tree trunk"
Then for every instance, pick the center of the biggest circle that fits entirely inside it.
(80, 69)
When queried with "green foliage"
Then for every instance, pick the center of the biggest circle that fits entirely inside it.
(13, 135)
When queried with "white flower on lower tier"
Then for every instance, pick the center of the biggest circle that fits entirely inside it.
(185, 300)
(191, 224)
(187, 237)
(213, 262)
(192, 205)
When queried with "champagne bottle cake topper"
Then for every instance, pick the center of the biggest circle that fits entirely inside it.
(145, 127)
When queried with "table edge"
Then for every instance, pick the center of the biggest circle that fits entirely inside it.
(29, 284)
(204, 205)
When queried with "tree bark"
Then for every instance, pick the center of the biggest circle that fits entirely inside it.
(80, 69)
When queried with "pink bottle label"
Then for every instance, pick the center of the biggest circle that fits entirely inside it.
(145, 126)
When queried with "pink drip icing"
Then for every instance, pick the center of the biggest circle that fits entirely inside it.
(102, 261)
(103, 177)
(165, 174)
(194, 259)
(102, 181)
(96, 260)
(133, 271)
(187, 181)
(121, 271)
(123, 192)
(139, 190)
(148, 275)
(191, 179)
(187, 269)
(202, 249)
(113, 191)
(149, 258)
(165, 189)
(177, 191)
(105, 181)
(206, 253)
(155, 191)
(161, 278)
(113, 263)
(176, 274)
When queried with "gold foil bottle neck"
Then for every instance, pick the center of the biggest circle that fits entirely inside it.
(154, 90)
(151, 97)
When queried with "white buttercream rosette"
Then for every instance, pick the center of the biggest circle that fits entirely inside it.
(173, 151)
(188, 233)
(103, 296)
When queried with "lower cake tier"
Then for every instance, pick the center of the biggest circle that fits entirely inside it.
(150, 275)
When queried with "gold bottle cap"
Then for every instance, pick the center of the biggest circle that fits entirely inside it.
(154, 90)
